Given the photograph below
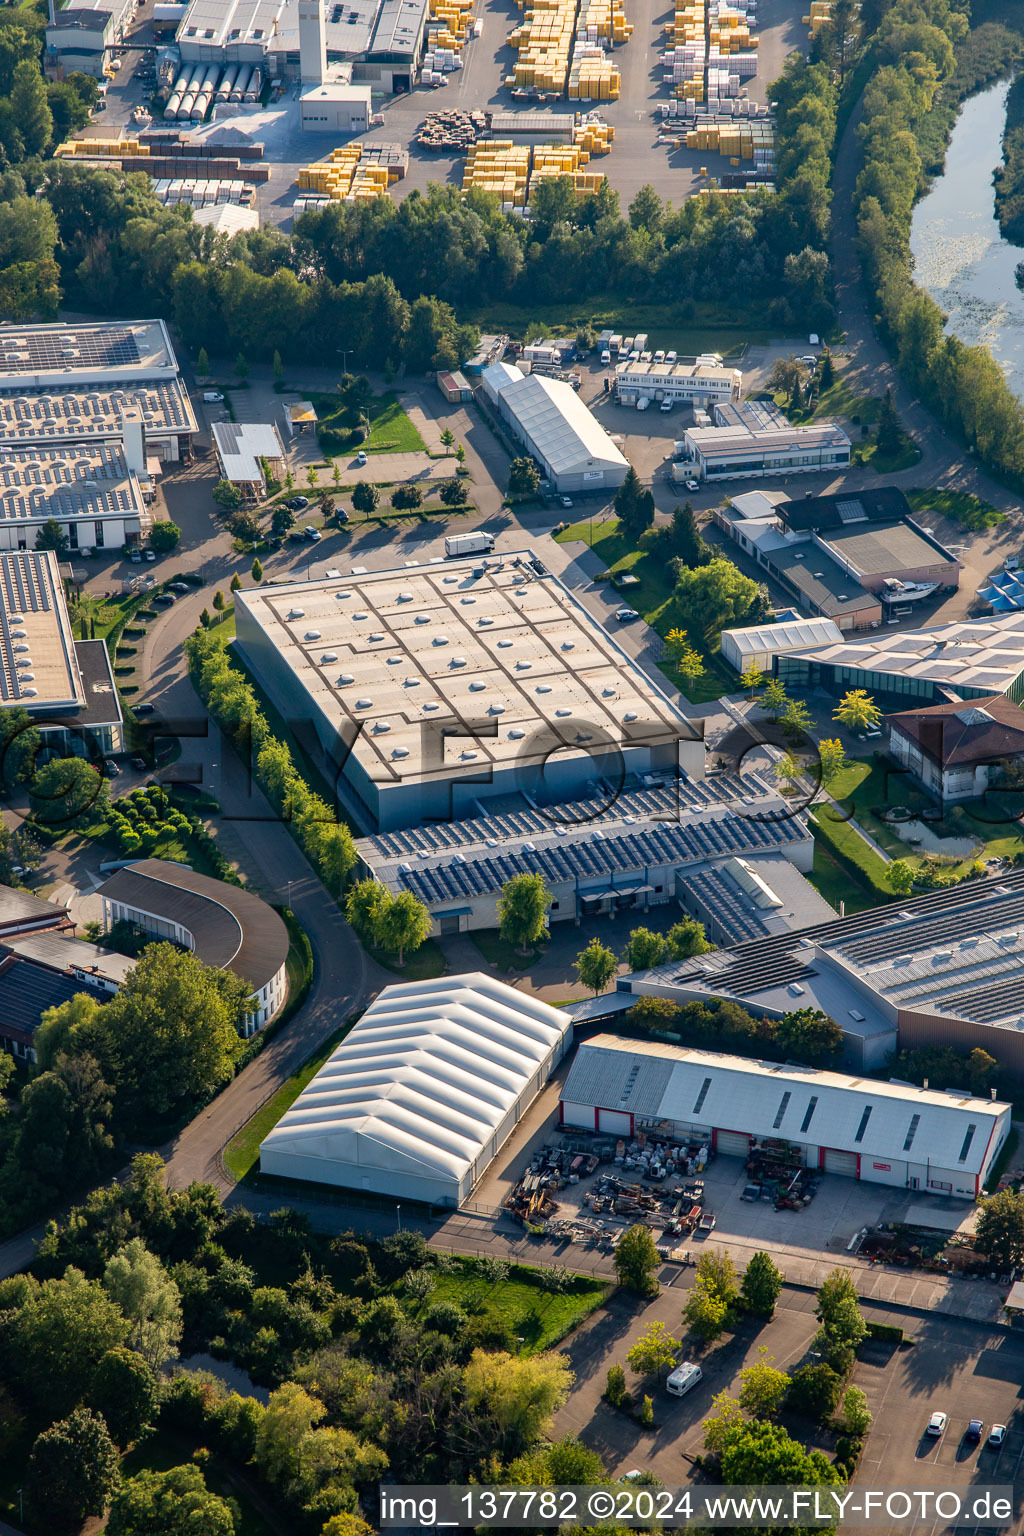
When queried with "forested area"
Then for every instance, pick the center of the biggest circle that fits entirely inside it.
(927, 63)
(371, 1373)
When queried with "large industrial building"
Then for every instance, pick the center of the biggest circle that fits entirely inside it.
(105, 381)
(436, 688)
(698, 384)
(556, 428)
(944, 969)
(752, 440)
(941, 1143)
(84, 34)
(67, 686)
(423, 1093)
(88, 488)
(727, 851)
(224, 925)
(967, 659)
(849, 559)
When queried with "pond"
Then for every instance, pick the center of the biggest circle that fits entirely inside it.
(960, 257)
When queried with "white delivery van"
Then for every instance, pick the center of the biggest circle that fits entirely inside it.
(468, 544)
(606, 357)
(682, 1379)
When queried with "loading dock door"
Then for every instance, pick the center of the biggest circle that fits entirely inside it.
(732, 1143)
(616, 1122)
(841, 1162)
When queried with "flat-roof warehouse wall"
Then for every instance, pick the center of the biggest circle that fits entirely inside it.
(437, 687)
(554, 425)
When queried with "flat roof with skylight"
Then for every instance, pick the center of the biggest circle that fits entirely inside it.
(81, 480)
(466, 669)
(38, 666)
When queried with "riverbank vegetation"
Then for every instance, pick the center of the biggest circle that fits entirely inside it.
(928, 62)
(1009, 177)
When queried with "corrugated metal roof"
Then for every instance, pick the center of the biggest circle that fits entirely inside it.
(831, 1109)
(424, 1079)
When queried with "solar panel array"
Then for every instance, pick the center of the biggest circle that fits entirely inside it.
(585, 859)
(43, 349)
(716, 893)
(58, 414)
(512, 819)
(24, 589)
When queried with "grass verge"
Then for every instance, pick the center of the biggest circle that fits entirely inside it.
(959, 506)
(242, 1151)
(500, 953)
(424, 965)
(391, 430)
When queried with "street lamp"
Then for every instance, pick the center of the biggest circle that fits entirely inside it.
(399, 1213)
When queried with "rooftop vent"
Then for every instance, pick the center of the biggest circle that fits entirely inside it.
(477, 686)
(504, 645)
(296, 613)
(607, 693)
(457, 661)
(364, 703)
(795, 989)
(312, 634)
(469, 756)
(345, 679)
(376, 637)
(544, 688)
(496, 709)
(405, 597)
(440, 640)
(516, 734)
(484, 622)
(328, 657)
(410, 682)
(422, 618)
(523, 666)
(30, 693)
(431, 706)
(341, 596)
(467, 602)
(630, 714)
(360, 616)
(563, 713)
(568, 645)
(394, 661)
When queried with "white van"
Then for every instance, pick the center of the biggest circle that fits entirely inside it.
(682, 1379)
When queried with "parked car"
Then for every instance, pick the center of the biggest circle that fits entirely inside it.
(566, 501)
(178, 586)
(148, 554)
(212, 397)
(111, 769)
(682, 1379)
(937, 1425)
(997, 1434)
(273, 542)
(145, 709)
(626, 615)
(297, 503)
(135, 557)
(313, 534)
(296, 536)
(975, 1429)
(140, 764)
(165, 599)
(671, 357)
(361, 458)
(692, 485)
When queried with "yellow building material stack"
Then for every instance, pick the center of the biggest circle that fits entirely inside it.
(544, 42)
(565, 160)
(595, 138)
(107, 149)
(821, 11)
(593, 76)
(369, 183)
(501, 167)
(333, 175)
(738, 140)
(450, 19)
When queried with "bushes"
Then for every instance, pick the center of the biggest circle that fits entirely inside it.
(804, 1035)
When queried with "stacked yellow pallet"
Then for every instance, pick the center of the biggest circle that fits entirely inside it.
(595, 138)
(603, 20)
(564, 160)
(821, 12)
(501, 167)
(732, 39)
(333, 175)
(449, 19)
(102, 148)
(687, 29)
(738, 140)
(544, 42)
(593, 76)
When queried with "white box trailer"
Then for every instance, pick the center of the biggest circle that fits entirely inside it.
(468, 544)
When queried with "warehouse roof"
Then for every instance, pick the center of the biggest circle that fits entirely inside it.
(795, 634)
(875, 550)
(81, 480)
(38, 665)
(986, 655)
(231, 928)
(241, 445)
(70, 355)
(755, 894)
(739, 442)
(885, 504)
(425, 1078)
(63, 953)
(953, 954)
(954, 733)
(848, 1114)
(555, 419)
(27, 990)
(449, 670)
(815, 575)
(590, 854)
(65, 414)
(20, 911)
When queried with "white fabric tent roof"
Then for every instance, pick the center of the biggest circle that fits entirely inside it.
(789, 635)
(555, 419)
(799, 1104)
(424, 1079)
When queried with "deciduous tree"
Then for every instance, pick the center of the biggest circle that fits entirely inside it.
(654, 1351)
(761, 1285)
(72, 1471)
(523, 907)
(645, 949)
(636, 1259)
(858, 711)
(999, 1236)
(763, 1388)
(518, 1395)
(595, 966)
(172, 1503)
(148, 1298)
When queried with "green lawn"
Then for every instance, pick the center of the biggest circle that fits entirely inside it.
(654, 601)
(836, 885)
(540, 1318)
(959, 506)
(391, 431)
(243, 1150)
(868, 455)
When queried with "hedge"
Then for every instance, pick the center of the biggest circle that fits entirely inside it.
(885, 1331)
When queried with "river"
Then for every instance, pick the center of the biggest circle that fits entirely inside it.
(960, 257)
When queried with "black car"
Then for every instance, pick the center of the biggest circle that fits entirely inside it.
(140, 765)
(297, 536)
(111, 769)
(165, 599)
(273, 542)
(145, 709)
(178, 586)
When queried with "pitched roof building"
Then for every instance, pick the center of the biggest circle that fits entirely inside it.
(955, 749)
